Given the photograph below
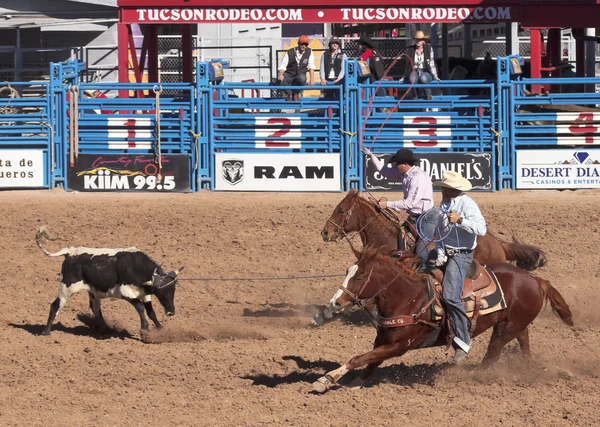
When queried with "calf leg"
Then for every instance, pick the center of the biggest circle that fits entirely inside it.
(95, 305)
(64, 294)
(139, 306)
(152, 314)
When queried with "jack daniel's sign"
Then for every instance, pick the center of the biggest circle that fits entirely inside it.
(476, 167)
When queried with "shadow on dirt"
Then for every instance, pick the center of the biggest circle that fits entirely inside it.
(311, 370)
(355, 318)
(88, 329)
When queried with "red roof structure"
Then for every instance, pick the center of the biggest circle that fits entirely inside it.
(532, 14)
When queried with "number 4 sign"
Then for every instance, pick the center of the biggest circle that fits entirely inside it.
(426, 131)
(278, 132)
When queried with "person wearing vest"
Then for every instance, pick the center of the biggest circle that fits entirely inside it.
(462, 216)
(423, 64)
(370, 52)
(332, 67)
(293, 67)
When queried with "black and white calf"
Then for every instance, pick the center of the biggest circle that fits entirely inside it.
(126, 273)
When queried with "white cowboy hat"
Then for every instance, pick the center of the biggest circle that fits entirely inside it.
(454, 180)
(90, 92)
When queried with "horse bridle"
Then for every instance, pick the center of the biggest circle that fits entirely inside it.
(341, 228)
(363, 303)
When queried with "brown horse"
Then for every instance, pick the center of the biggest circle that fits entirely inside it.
(356, 214)
(400, 292)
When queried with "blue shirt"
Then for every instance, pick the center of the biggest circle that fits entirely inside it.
(464, 235)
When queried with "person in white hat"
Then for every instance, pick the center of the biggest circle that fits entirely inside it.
(455, 251)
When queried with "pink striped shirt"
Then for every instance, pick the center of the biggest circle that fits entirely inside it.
(418, 190)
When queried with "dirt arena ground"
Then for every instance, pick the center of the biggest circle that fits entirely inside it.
(242, 352)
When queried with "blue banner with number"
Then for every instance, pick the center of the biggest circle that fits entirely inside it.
(130, 172)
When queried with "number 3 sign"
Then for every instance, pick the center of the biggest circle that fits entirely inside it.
(427, 128)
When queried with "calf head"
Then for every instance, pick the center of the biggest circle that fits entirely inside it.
(163, 287)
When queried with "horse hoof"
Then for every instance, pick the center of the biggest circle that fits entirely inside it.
(322, 385)
(318, 320)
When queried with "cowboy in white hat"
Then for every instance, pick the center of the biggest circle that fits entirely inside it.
(462, 214)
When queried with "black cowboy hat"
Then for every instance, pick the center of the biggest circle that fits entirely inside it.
(366, 41)
(334, 40)
(403, 156)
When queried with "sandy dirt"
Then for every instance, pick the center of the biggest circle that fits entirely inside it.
(242, 352)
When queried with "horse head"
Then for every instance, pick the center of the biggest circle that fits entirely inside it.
(364, 280)
(344, 218)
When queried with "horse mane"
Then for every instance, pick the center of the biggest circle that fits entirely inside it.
(406, 264)
(381, 225)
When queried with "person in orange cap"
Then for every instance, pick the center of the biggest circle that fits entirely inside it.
(294, 65)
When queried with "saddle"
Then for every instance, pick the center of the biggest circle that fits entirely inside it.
(481, 291)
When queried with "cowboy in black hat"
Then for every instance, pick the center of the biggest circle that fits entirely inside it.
(418, 195)
(332, 66)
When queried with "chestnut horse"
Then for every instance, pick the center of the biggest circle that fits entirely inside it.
(398, 290)
(356, 214)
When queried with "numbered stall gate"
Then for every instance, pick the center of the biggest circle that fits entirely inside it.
(555, 139)
(455, 130)
(139, 144)
(265, 143)
(26, 149)
(31, 130)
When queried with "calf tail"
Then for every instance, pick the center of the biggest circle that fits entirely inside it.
(42, 234)
(557, 302)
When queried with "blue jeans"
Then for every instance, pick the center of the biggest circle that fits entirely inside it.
(426, 226)
(456, 269)
(289, 80)
(421, 77)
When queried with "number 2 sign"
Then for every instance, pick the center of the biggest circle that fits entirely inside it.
(278, 132)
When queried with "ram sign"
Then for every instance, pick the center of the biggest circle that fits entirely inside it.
(277, 172)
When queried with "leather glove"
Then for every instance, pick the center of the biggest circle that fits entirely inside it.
(441, 259)
(366, 151)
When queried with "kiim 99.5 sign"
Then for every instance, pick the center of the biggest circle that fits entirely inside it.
(476, 167)
(130, 172)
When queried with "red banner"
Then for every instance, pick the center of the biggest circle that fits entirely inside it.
(338, 15)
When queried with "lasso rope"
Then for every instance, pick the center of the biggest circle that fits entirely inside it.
(370, 105)
(233, 279)
(157, 91)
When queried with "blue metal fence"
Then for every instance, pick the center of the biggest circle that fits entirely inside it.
(209, 118)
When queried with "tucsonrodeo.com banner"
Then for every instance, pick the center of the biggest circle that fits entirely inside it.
(349, 14)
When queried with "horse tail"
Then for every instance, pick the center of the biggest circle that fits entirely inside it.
(527, 257)
(557, 302)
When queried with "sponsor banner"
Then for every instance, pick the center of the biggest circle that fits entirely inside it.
(556, 169)
(22, 168)
(273, 132)
(130, 172)
(317, 14)
(277, 172)
(476, 167)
